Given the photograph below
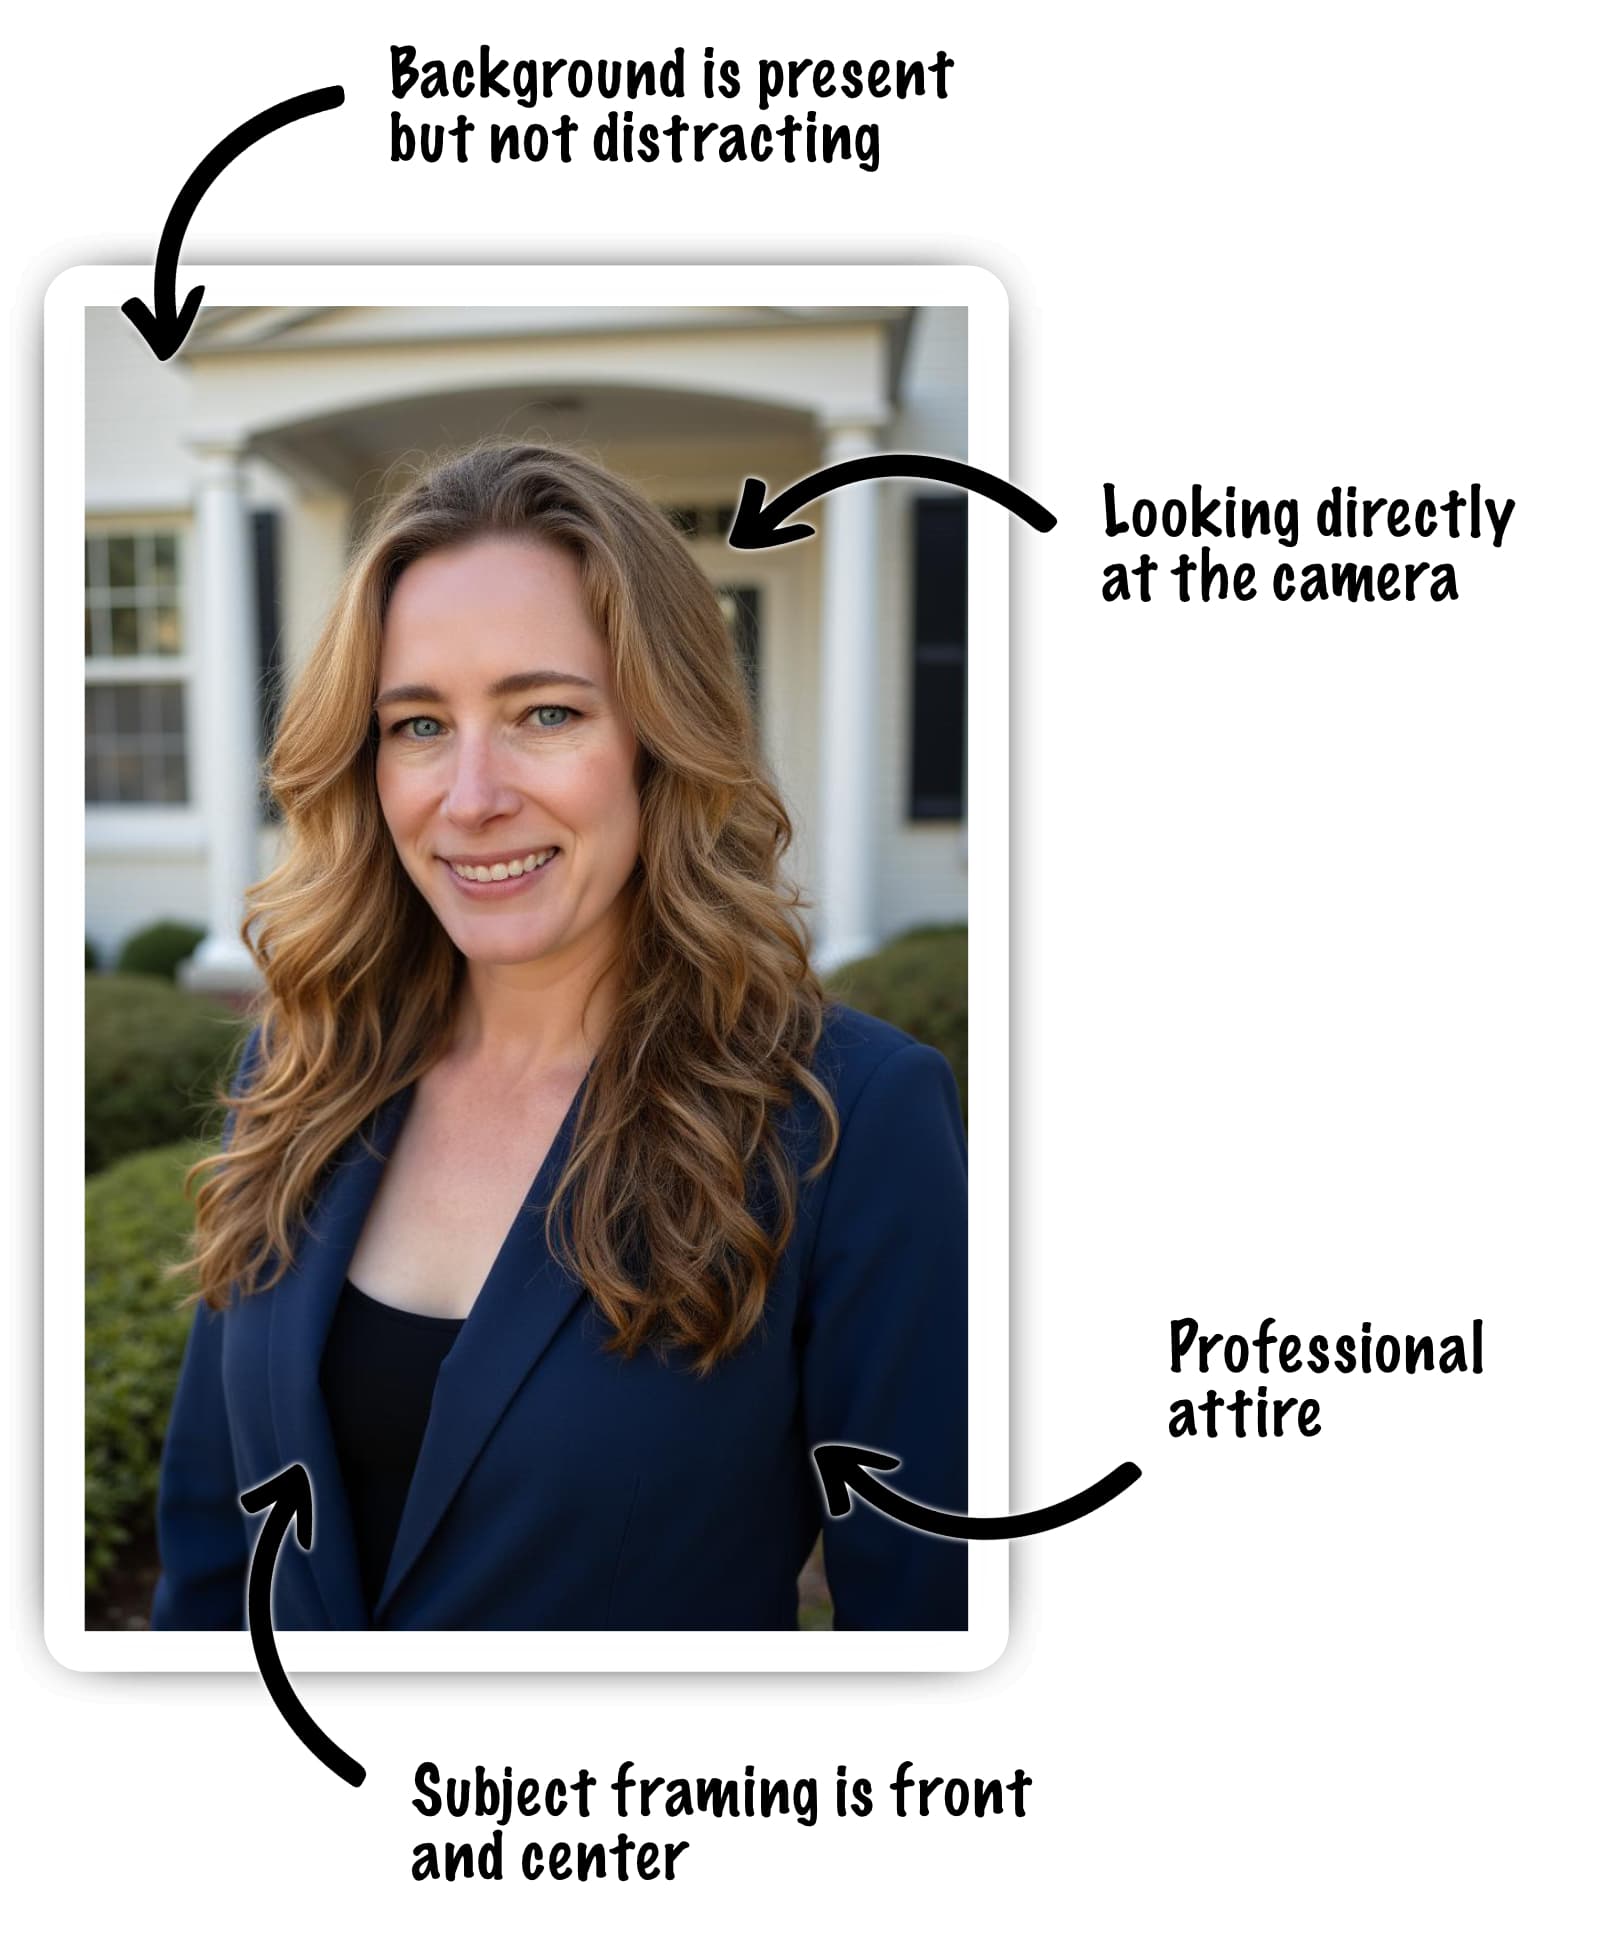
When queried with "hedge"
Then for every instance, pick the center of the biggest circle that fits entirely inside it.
(136, 1220)
(158, 949)
(919, 982)
(154, 1060)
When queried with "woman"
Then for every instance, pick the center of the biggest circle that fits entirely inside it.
(528, 927)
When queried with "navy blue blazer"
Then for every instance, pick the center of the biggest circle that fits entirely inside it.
(562, 1487)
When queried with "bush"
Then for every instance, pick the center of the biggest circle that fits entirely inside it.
(136, 1220)
(158, 949)
(919, 982)
(154, 1058)
(90, 960)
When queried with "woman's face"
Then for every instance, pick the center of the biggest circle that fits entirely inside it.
(506, 772)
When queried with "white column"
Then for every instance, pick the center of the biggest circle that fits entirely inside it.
(846, 912)
(222, 719)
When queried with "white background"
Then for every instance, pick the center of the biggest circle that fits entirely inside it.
(1306, 981)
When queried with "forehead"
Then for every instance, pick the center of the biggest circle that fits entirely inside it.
(495, 605)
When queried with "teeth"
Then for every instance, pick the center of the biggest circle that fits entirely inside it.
(499, 871)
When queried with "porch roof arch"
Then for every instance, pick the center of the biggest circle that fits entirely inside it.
(783, 382)
(355, 448)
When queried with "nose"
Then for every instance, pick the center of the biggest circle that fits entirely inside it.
(480, 786)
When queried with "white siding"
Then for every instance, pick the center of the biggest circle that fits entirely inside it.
(125, 894)
(134, 410)
(933, 388)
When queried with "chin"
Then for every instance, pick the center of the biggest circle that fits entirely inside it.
(496, 943)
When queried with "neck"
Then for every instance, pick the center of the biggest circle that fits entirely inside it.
(526, 1020)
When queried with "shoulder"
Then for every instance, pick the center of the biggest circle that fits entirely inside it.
(252, 1055)
(858, 1055)
(246, 1070)
(901, 1159)
(851, 1049)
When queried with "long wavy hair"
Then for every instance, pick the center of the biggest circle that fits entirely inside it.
(679, 1195)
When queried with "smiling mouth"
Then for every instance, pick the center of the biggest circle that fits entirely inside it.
(524, 865)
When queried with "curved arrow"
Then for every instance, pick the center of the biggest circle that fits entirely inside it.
(843, 1468)
(287, 1499)
(165, 327)
(756, 523)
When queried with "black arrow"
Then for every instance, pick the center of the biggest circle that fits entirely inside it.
(756, 523)
(165, 327)
(287, 1498)
(843, 1468)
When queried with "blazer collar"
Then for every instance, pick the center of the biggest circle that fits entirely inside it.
(521, 1305)
(519, 1309)
(303, 1306)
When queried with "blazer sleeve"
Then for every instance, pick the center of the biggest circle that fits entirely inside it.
(885, 1349)
(201, 1530)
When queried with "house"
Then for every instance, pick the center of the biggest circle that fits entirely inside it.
(224, 488)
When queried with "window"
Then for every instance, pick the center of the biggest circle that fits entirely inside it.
(700, 521)
(741, 609)
(136, 666)
(939, 660)
(135, 743)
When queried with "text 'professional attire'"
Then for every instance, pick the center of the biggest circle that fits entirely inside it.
(559, 1486)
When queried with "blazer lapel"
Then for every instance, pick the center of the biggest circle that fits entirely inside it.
(303, 1307)
(518, 1311)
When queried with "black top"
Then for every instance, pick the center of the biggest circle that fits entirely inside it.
(378, 1374)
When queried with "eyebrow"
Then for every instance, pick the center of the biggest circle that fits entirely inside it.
(506, 684)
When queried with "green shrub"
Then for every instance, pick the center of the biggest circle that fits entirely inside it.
(919, 982)
(154, 1058)
(90, 960)
(136, 1220)
(158, 949)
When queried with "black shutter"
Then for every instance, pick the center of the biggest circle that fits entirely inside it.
(939, 660)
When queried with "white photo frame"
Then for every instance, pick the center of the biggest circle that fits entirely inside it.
(71, 295)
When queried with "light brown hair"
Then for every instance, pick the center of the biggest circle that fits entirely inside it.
(678, 1196)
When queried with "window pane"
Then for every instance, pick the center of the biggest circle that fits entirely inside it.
(135, 745)
(131, 594)
(124, 773)
(169, 782)
(124, 629)
(121, 561)
(135, 741)
(163, 629)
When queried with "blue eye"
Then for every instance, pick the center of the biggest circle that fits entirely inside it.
(418, 727)
(552, 715)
